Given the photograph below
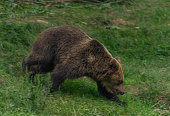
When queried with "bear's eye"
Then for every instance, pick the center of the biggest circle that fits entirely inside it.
(120, 82)
(113, 66)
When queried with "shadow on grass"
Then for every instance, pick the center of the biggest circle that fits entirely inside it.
(79, 88)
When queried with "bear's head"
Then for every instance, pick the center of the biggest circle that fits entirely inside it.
(25, 64)
(114, 79)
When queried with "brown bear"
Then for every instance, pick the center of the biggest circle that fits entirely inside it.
(69, 53)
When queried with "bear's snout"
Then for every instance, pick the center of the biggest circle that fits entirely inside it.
(121, 93)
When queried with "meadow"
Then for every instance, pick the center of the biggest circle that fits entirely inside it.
(136, 31)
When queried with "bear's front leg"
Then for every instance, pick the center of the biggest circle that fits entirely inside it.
(57, 78)
(31, 78)
(102, 90)
(117, 100)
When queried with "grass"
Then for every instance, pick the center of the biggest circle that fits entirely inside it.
(137, 32)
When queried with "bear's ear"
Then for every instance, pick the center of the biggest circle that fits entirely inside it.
(118, 59)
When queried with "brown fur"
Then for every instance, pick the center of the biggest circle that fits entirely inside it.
(69, 53)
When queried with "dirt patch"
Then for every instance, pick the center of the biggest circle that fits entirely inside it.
(162, 112)
(42, 21)
(137, 90)
(122, 22)
(162, 99)
(31, 19)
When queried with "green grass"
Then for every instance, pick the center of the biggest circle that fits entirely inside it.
(139, 33)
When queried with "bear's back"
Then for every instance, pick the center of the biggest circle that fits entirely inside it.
(61, 38)
(62, 35)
